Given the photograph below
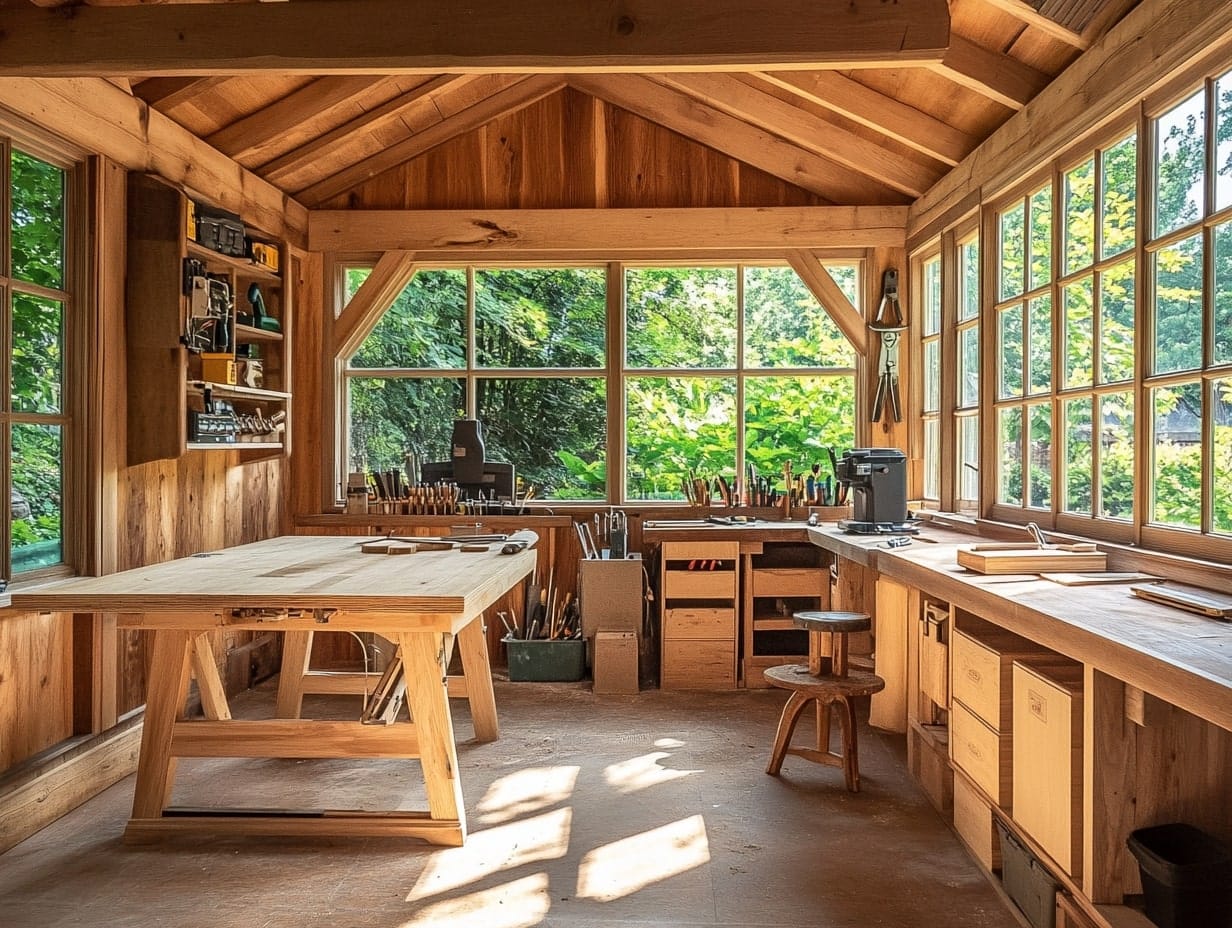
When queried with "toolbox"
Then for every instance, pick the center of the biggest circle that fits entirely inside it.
(219, 230)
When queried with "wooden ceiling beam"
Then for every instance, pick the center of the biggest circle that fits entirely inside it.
(519, 95)
(1026, 13)
(308, 163)
(434, 234)
(998, 77)
(392, 36)
(167, 93)
(753, 105)
(833, 300)
(871, 108)
(388, 278)
(706, 125)
(249, 135)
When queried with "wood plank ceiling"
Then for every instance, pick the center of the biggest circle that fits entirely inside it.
(856, 132)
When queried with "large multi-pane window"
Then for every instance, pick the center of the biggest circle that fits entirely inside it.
(722, 366)
(34, 295)
(1189, 313)
(929, 283)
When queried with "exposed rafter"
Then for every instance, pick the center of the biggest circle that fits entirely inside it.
(392, 36)
(376, 294)
(874, 109)
(998, 77)
(735, 138)
(167, 93)
(832, 299)
(1025, 12)
(751, 104)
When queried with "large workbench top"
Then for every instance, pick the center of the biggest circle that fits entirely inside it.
(1180, 657)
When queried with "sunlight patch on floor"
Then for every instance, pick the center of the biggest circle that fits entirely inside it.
(526, 791)
(629, 776)
(623, 867)
(519, 904)
(505, 847)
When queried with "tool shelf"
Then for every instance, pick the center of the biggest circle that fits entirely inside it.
(167, 371)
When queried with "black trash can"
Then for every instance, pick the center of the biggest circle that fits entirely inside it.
(1186, 876)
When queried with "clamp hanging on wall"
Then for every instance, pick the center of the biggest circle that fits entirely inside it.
(888, 323)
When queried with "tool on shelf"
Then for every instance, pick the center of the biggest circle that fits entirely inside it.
(888, 323)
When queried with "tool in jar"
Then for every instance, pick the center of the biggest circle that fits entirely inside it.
(889, 325)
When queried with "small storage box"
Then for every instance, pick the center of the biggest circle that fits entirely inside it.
(536, 661)
(1186, 876)
(1033, 889)
(616, 663)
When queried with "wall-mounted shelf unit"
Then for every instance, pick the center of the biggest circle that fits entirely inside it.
(182, 351)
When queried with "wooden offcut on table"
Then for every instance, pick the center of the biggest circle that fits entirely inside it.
(298, 585)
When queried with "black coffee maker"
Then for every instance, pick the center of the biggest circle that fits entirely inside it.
(877, 478)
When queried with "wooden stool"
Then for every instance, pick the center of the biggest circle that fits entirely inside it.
(827, 682)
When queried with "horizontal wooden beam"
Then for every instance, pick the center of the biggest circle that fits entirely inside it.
(99, 117)
(392, 36)
(293, 738)
(998, 77)
(605, 232)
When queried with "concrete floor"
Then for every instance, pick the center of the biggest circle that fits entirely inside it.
(589, 812)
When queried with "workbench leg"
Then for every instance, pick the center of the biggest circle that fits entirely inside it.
(427, 698)
(473, 644)
(209, 683)
(166, 692)
(296, 653)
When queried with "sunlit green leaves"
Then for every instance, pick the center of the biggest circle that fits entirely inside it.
(37, 221)
(1079, 334)
(1180, 164)
(785, 326)
(681, 318)
(1118, 200)
(1178, 306)
(1079, 229)
(1116, 456)
(424, 328)
(37, 463)
(536, 317)
(1176, 465)
(1116, 322)
(1013, 251)
(37, 365)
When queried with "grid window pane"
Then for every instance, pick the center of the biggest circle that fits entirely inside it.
(37, 365)
(424, 328)
(1009, 338)
(551, 429)
(932, 296)
(1039, 455)
(1221, 414)
(1180, 164)
(1009, 441)
(37, 221)
(540, 317)
(1079, 334)
(1178, 306)
(1116, 323)
(968, 280)
(1176, 467)
(1116, 456)
(784, 416)
(785, 326)
(1079, 246)
(1119, 201)
(968, 477)
(674, 425)
(1221, 349)
(352, 279)
(1012, 251)
(1041, 237)
(932, 459)
(969, 367)
(37, 504)
(680, 317)
(391, 417)
(1078, 456)
(1039, 374)
(1223, 141)
(932, 375)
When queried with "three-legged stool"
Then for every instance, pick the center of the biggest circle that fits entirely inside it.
(827, 682)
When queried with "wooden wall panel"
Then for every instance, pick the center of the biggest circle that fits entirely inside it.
(757, 188)
(649, 166)
(36, 709)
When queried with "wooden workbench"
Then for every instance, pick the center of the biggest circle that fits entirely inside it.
(301, 584)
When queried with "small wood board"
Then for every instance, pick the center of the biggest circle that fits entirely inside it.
(1031, 561)
(1203, 602)
(1080, 579)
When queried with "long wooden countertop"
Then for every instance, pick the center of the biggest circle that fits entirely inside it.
(1183, 658)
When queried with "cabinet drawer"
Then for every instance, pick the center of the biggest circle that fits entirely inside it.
(698, 664)
(789, 581)
(981, 753)
(973, 820)
(1048, 759)
(699, 623)
(710, 550)
(982, 673)
(699, 584)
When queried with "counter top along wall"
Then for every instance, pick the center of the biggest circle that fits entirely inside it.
(1179, 657)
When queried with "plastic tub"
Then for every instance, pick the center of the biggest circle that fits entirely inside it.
(543, 661)
(1186, 876)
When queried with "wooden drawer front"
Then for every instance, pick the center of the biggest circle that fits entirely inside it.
(700, 623)
(1048, 759)
(698, 665)
(981, 753)
(700, 584)
(789, 581)
(935, 656)
(982, 677)
(710, 550)
(973, 821)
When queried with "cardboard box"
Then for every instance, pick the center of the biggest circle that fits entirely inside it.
(610, 596)
(615, 669)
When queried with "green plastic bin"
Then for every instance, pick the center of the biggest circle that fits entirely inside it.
(542, 661)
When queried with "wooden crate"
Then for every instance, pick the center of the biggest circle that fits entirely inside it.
(982, 753)
(983, 672)
(1047, 752)
(973, 820)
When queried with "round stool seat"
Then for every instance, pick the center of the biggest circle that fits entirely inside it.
(842, 622)
(797, 677)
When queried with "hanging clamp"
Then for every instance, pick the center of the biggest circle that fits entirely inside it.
(888, 323)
